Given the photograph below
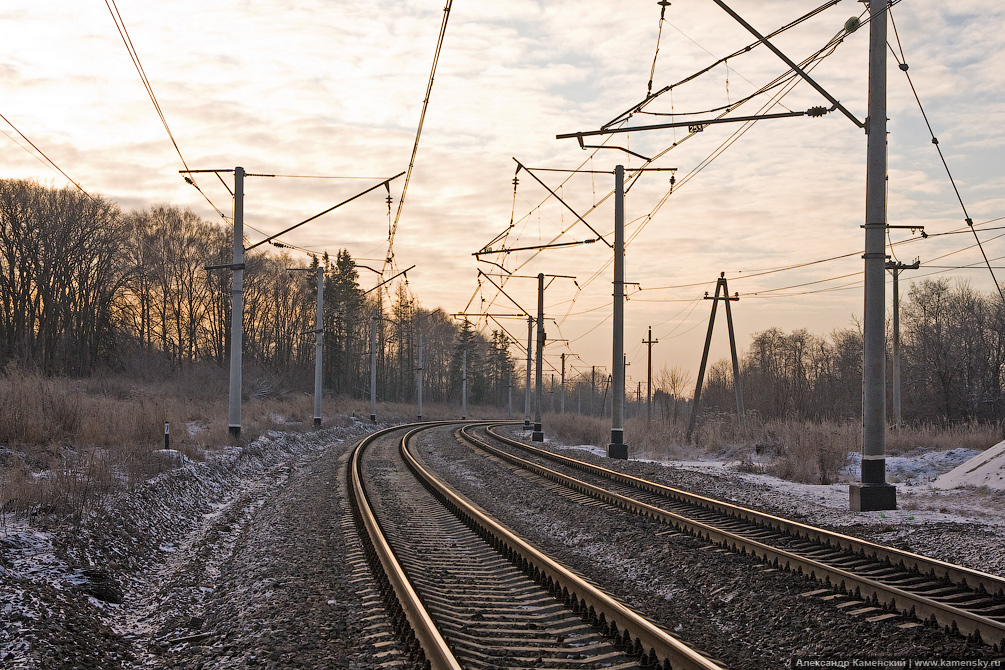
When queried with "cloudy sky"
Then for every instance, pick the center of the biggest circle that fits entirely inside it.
(334, 88)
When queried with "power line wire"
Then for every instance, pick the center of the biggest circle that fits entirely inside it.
(904, 67)
(43, 155)
(389, 260)
(120, 25)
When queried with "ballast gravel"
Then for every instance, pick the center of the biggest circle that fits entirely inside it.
(246, 560)
(733, 608)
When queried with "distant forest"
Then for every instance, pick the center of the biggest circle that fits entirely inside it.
(85, 286)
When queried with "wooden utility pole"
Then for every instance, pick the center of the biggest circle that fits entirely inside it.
(720, 285)
(649, 375)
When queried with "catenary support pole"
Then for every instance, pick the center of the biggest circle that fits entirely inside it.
(237, 306)
(896, 267)
(319, 337)
(617, 447)
(418, 381)
(373, 366)
(526, 388)
(464, 384)
(593, 387)
(509, 410)
(538, 435)
(873, 492)
(898, 417)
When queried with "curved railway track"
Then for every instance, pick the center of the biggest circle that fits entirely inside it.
(465, 592)
(878, 581)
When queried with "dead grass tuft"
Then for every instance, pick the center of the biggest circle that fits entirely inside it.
(800, 451)
(65, 444)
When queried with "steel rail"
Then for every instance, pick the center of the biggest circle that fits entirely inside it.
(633, 631)
(991, 584)
(924, 608)
(434, 647)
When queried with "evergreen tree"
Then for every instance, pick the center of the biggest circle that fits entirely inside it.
(345, 327)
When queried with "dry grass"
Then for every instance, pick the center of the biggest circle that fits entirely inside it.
(64, 444)
(800, 451)
(573, 429)
(969, 435)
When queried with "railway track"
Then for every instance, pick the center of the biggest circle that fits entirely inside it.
(465, 592)
(869, 579)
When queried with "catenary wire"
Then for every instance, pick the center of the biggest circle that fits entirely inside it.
(134, 56)
(43, 155)
(942, 157)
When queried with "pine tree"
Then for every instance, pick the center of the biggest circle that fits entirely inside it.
(345, 329)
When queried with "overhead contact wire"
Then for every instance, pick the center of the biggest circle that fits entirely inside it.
(389, 260)
(134, 56)
(942, 157)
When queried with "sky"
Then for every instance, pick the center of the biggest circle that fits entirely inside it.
(334, 88)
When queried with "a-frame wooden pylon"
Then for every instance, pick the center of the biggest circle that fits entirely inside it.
(720, 285)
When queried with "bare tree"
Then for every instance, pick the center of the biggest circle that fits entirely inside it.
(671, 384)
(61, 271)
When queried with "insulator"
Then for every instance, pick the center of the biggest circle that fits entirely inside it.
(816, 111)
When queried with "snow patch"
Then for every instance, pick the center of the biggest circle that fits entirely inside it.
(985, 468)
(915, 468)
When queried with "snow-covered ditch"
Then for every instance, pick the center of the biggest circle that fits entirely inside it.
(62, 588)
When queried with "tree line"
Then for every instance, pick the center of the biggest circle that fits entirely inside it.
(952, 362)
(84, 285)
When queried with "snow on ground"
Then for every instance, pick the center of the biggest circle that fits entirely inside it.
(962, 525)
(986, 468)
(78, 592)
(64, 590)
(925, 492)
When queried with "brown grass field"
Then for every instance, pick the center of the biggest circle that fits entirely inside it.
(65, 444)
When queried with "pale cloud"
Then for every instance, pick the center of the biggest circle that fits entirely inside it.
(335, 87)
